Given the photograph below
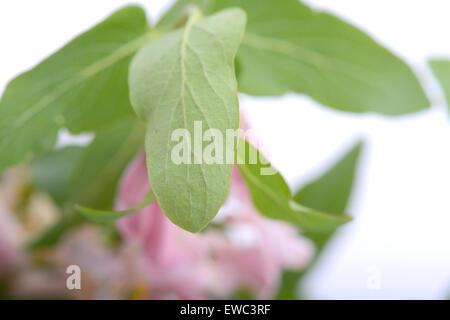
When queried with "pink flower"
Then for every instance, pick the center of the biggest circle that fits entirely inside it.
(106, 273)
(174, 255)
(10, 231)
(250, 251)
(260, 248)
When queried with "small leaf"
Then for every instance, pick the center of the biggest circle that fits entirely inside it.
(272, 196)
(105, 216)
(82, 87)
(441, 69)
(289, 47)
(330, 192)
(183, 78)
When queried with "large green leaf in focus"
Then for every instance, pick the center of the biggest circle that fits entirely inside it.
(82, 87)
(272, 197)
(178, 79)
(441, 68)
(290, 47)
(329, 193)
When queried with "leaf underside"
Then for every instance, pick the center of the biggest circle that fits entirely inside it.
(180, 78)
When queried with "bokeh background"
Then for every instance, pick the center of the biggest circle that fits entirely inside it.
(401, 231)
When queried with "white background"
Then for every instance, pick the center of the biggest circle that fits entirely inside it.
(401, 234)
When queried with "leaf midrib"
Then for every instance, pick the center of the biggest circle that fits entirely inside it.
(86, 73)
(262, 186)
(288, 205)
(184, 38)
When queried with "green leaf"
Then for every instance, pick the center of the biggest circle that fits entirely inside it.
(85, 175)
(332, 190)
(82, 87)
(53, 171)
(272, 197)
(94, 181)
(105, 215)
(331, 193)
(182, 78)
(289, 47)
(441, 69)
(89, 175)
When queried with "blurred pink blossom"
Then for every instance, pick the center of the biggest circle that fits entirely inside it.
(10, 241)
(249, 251)
(107, 272)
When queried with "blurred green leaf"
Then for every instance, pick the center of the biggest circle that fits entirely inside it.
(94, 181)
(290, 47)
(180, 79)
(82, 87)
(111, 215)
(89, 175)
(86, 175)
(272, 196)
(441, 69)
(329, 193)
(53, 171)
